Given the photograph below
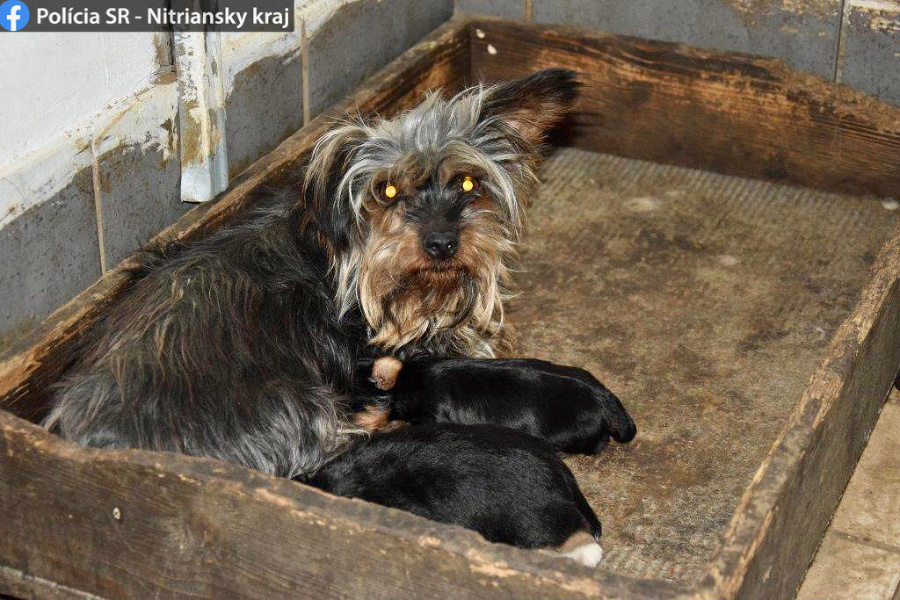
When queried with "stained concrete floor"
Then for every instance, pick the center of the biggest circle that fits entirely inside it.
(705, 302)
(860, 555)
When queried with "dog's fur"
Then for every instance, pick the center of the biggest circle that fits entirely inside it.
(243, 345)
(509, 486)
(578, 416)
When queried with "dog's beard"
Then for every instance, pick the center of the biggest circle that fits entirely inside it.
(413, 304)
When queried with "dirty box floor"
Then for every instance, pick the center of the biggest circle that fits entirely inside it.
(705, 302)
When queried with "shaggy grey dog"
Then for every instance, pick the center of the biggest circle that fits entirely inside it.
(397, 239)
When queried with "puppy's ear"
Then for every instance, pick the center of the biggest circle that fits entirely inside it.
(534, 104)
(326, 186)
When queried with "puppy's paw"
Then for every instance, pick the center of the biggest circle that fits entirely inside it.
(617, 422)
(620, 424)
(385, 371)
(589, 555)
(583, 548)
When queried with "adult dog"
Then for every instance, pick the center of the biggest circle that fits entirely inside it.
(398, 240)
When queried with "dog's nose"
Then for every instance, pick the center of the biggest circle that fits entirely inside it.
(441, 245)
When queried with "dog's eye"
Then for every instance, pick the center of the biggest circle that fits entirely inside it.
(468, 183)
(390, 191)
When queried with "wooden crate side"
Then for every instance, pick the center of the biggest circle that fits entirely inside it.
(31, 365)
(719, 111)
(140, 524)
(17, 584)
(782, 516)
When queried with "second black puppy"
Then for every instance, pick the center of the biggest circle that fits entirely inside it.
(566, 406)
(509, 486)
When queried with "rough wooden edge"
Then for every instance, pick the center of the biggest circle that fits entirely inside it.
(720, 111)
(17, 584)
(399, 85)
(783, 514)
(210, 498)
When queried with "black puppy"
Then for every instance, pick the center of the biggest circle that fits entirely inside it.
(578, 417)
(509, 486)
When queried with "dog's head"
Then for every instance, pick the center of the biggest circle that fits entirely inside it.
(422, 213)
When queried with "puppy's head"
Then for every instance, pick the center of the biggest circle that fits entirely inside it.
(422, 213)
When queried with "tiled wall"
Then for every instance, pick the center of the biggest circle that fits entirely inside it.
(856, 42)
(87, 199)
(55, 128)
(82, 203)
(869, 57)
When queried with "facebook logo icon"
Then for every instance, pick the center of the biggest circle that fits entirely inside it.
(13, 15)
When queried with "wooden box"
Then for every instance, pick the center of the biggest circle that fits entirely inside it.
(714, 242)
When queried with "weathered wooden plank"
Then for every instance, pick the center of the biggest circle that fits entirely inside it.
(719, 111)
(783, 514)
(141, 524)
(19, 585)
(30, 365)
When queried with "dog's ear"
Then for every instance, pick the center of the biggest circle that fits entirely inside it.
(534, 104)
(326, 189)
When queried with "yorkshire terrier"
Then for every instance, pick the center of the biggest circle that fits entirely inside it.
(396, 239)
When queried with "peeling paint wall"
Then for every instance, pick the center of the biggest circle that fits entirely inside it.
(90, 147)
(61, 80)
(345, 42)
(81, 104)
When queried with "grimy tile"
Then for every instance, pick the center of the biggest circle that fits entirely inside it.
(870, 51)
(50, 253)
(844, 568)
(804, 34)
(509, 9)
(263, 108)
(870, 507)
(360, 38)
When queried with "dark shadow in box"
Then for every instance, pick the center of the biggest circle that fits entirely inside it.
(754, 390)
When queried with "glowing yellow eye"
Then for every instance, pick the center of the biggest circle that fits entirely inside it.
(390, 191)
(467, 184)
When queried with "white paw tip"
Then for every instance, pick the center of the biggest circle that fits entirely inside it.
(589, 554)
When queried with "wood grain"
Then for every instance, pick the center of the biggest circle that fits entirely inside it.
(133, 524)
(719, 111)
(782, 516)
